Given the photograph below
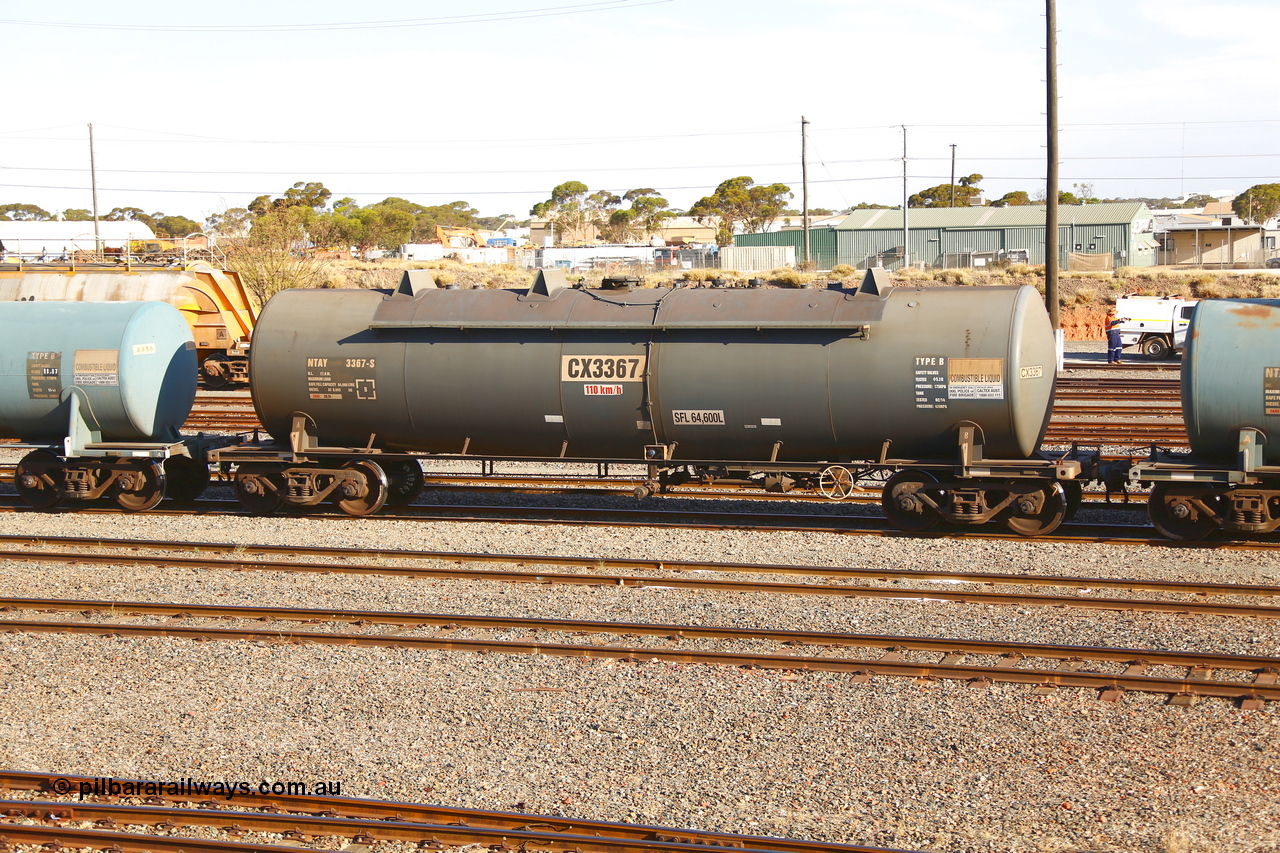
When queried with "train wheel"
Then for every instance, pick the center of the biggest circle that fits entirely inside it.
(257, 490)
(141, 487)
(405, 481)
(376, 489)
(186, 478)
(216, 371)
(904, 502)
(836, 482)
(1028, 520)
(1175, 513)
(38, 478)
(1075, 497)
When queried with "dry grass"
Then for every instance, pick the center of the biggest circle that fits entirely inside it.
(788, 277)
(1211, 290)
(843, 271)
(963, 277)
(1086, 296)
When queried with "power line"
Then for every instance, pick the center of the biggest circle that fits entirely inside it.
(543, 190)
(448, 20)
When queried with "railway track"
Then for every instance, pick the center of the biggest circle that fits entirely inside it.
(1016, 663)
(363, 821)
(756, 521)
(600, 571)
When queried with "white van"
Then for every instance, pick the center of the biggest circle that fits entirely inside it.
(1156, 325)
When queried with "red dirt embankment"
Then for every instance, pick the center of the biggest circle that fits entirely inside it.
(1084, 323)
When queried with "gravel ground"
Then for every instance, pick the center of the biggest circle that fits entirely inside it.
(937, 766)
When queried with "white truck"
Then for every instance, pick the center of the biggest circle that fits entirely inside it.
(1156, 325)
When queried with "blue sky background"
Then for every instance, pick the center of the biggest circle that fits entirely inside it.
(197, 108)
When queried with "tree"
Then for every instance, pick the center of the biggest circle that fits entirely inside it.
(739, 200)
(1017, 198)
(427, 217)
(648, 213)
(233, 222)
(17, 212)
(310, 194)
(77, 214)
(566, 210)
(174, 226)
(131, 214)
(941, 195)
(1084, 192)
(1064, 197)
(1259, 203)
(600, 208)
(272, 256)
(380, 226)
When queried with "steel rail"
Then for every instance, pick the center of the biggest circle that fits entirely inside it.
(1263, 688)
(1213, 608)
(437, 836)
(1077, 364)
(388, 815)
(756, 522)
(633, 563)
(454, 621)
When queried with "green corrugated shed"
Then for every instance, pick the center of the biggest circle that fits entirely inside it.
(822, 244)
(945, 236)
(952, 236)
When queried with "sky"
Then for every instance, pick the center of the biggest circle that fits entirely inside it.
(197, 108)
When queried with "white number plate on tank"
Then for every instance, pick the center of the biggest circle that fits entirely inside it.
(614, 368)
(697, 417)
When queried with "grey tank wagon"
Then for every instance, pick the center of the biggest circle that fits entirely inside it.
(942, 393)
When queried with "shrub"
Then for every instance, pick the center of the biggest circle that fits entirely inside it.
(913, 274)
(1201, 278)
(1270, 291)
(697, 275)
(955, 276)
(789, 277)
(1086, 295)
(1211, 290)
(843, 271)
(1025, 269)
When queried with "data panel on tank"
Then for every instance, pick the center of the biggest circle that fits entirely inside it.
(931, 382)
(332, 378)
(44, 375)
(1271, 390)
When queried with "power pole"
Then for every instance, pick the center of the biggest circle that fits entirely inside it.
(1051, 182)
(93, 178)
(804, 181)
(953, 175)
(906, 231)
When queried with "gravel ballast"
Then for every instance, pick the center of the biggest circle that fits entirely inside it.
(937, 766)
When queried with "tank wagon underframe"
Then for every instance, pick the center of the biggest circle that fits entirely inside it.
(1031, 496)
(1189, 499)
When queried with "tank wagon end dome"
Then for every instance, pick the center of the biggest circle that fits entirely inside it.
(132, 365)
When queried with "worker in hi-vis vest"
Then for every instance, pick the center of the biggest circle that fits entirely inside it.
(1113, 336)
